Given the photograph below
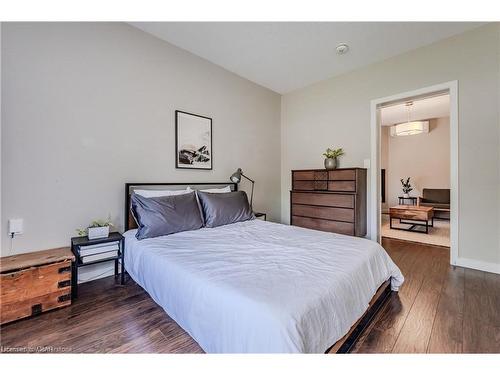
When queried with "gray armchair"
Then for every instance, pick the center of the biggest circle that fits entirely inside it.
(439, 199)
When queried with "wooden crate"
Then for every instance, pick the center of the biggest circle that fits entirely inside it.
(35, 282)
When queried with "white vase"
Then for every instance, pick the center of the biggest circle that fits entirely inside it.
(406, 195)
(98, 232)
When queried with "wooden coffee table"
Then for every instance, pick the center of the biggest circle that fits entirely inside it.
(419, 216)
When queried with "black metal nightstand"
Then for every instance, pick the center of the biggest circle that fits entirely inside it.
(261, 214)
(78, 242)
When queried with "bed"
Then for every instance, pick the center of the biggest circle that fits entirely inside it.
(262, 287)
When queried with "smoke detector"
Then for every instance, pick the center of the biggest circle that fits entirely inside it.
(342, 49)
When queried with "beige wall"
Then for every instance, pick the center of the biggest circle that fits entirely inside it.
(337, 112)
(89, 106)
(423, 157)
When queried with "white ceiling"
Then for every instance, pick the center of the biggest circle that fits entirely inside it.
(285, 56)
(423, 109)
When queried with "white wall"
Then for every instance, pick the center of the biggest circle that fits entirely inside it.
(89, 106)
(337, 112)
(423, 157)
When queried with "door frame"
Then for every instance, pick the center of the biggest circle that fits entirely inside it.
(451, 88)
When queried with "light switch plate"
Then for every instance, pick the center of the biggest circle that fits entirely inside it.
(16, 226)
(366, 163)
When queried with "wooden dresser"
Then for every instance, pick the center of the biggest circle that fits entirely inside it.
(331, 201)
(32, 283)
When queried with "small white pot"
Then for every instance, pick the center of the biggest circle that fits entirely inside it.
(99, 232)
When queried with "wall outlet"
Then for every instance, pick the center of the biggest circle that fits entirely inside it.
(16, 226)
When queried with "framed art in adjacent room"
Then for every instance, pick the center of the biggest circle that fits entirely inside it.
(193, 141)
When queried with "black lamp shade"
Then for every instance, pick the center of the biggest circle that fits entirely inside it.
(236, 176)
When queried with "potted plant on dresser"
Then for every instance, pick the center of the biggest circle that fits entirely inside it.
(96, 229)
(331, 156)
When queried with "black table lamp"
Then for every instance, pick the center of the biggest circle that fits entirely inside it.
(236, 178)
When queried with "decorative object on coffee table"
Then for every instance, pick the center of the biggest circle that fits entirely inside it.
(406, 187)
(331, 156)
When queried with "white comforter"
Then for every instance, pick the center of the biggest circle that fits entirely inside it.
(261, 287)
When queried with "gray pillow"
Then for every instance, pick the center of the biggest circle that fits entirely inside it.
(224, 208)
(159, 216)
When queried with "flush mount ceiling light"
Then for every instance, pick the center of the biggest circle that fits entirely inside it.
(342, 49)
(410, 127)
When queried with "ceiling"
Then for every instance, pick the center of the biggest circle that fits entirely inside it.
(422, 109)
(285, 56)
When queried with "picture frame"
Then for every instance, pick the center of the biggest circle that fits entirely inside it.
(193, 141)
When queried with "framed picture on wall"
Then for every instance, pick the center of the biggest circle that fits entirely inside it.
(193, 141)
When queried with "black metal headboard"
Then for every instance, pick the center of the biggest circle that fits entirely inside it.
(130, 187)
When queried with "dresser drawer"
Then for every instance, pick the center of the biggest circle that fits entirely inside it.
(310, 185)
(342, 186)
(320, 212)
(342, 174)
(323, 199)
(303, 175)
(34, 306)
(303, 185)
(310, 175)
(321, 185)
(324, 225)
(321, 175)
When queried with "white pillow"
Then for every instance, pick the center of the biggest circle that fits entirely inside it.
(226, 189)
(161, 193)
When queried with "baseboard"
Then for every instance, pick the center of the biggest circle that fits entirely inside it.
(478, 265)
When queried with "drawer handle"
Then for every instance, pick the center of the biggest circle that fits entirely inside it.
(65, 269)
(63, 298)
(36, 309)
(64, 283)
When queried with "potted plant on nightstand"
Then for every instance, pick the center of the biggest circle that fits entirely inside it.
(331, 156)
(96, 229)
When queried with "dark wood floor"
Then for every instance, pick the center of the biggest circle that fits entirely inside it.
(439, 309)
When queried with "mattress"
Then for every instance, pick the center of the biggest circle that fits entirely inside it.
(261, 287)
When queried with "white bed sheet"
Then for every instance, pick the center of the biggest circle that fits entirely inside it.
(261, 287)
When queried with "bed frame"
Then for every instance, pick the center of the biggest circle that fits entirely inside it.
(346, 343)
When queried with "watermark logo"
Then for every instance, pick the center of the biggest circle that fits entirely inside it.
(34, 349)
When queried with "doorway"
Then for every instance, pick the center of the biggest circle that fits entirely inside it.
(383, 185)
